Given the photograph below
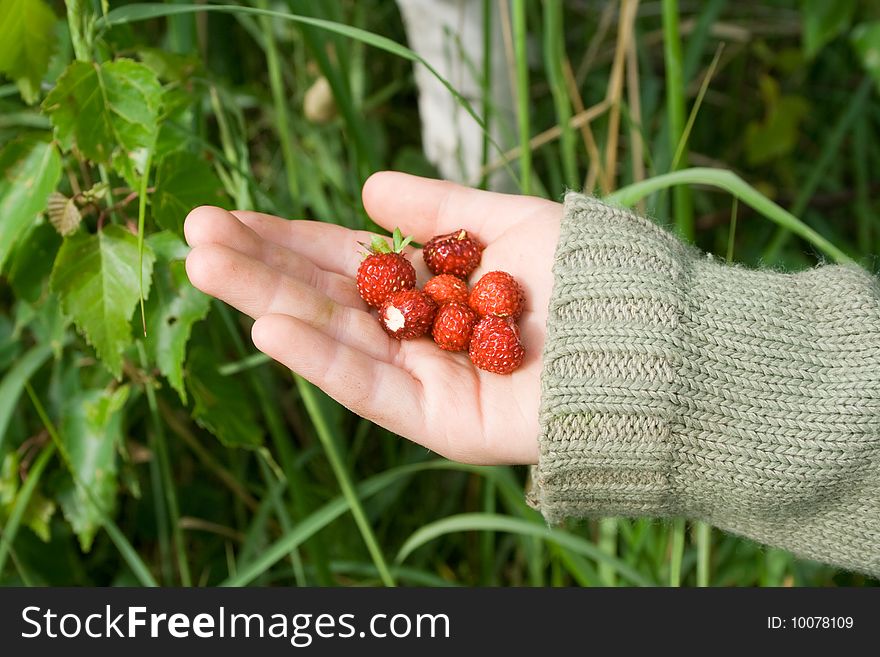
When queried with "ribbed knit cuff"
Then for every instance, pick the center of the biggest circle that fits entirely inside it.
(675, 384)
(610, 377)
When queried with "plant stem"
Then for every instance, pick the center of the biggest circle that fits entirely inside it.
(160, 449)
(520, 37)
(554, 56)
(276, 83)
(683, 210)
(676, 552)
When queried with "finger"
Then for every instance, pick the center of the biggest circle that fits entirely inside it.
(330, 247)
(211, 225)
(373, 389)
(257, 289)
(423, 207)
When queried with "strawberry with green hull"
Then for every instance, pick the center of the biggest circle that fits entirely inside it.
(457, 253)
(453, 326)
(407, 314)
(496, 345)
(385, 270)
(497, 293)
(446, 288)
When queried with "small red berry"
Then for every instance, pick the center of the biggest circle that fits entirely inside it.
(495, 345)
(456, 253)
(446, 288)
(385, 271)
(407, 314)
(497, 293)
(453, 326)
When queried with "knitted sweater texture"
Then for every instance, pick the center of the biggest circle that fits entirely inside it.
(676, 385)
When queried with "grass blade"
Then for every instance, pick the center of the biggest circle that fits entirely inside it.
(676, 551)
(522, 93)
(142, 210)
(483, 522)
(733, 184)
(10, 529)
(16, 379)
(323, 516)
(344, 478)
(683, 210)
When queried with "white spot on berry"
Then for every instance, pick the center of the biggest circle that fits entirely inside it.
(394, 319)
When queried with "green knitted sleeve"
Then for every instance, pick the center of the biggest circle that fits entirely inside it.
(676, 385)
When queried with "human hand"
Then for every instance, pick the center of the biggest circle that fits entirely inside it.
(296, 279)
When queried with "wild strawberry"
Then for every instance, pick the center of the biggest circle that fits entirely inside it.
(497, 293)
(453, 326)
(385, 270)
(407, 314)
(445, 288)
(456, 253)
(495, 345)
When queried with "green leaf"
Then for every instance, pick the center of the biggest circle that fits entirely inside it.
(824, 20)
(99, 107)
(174, 306)
(183, 181)
(31, 263)
(91, 432)
(26, 43)
(866, 41)
(96, 278)
(222, 405)
(29, 169)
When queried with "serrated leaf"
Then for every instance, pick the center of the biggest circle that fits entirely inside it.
(63, 213)
(105, 107)
(29, 169)
(91, 431)
(183, 181)
(174, 306)
(26, 43)
(866, 41)
(222, 404)
(96, 279)
(31, 263)
(824, 20)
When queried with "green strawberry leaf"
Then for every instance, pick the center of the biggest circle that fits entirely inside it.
(96, 279)
(379, 245)
(91, 431)
(26, 43)
(172, 309)
(99, 107)
(222, 404)
(29, 169)
(183, 181)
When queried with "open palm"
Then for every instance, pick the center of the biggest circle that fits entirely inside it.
(296, 278)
